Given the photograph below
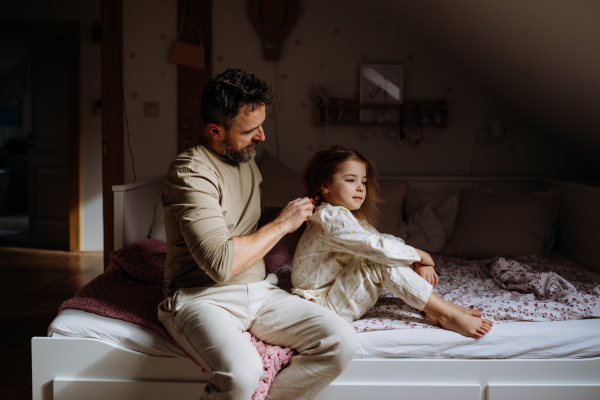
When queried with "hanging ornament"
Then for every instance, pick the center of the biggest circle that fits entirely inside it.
(273, 20)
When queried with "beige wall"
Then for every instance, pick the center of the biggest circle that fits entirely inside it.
(149, 29)
(539, 57)
(85, 12)
(314, 54)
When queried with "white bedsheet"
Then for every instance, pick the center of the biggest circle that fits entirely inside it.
(571, 339)
(557, 339)
(81, 324)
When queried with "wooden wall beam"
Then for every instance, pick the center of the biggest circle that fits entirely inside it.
(112, 114)
(74, 43)
(189, 78)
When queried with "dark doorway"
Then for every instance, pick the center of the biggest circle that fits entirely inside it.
(39, 136)
(15, 127)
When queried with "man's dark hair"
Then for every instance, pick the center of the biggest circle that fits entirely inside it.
(227, 92)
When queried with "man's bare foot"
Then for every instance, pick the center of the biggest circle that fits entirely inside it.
(465, 324)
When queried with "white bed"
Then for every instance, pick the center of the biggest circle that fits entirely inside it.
(97, 365)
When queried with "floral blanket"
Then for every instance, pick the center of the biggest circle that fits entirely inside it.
(131, 289)
(527, 288)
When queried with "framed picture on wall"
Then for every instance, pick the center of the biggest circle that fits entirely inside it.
(380, 84)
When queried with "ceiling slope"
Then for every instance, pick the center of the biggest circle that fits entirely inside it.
(541, 57)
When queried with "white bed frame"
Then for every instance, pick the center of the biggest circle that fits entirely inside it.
(71, 368)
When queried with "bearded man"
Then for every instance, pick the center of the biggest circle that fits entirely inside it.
(216, 286)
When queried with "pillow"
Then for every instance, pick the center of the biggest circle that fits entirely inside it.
(391, 211)
(447, 213)
(445, 206)
(492, 224)
(424, 231)
(158, 227)
(554, 193)
(280, 184)
(416, 198)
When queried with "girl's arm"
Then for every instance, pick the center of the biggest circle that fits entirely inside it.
(426, 259)
(425, 268)
(343, 233)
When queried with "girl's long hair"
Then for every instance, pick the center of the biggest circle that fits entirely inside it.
(323, 165)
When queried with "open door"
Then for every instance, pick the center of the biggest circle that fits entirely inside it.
(54, 156)
(49, 144)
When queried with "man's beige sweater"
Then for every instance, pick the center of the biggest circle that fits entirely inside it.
(208, 199)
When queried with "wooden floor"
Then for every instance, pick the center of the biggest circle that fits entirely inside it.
(33, 284)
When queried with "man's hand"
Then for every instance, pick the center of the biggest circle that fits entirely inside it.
(427, 273)
(295, 213)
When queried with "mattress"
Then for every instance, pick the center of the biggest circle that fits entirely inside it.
(123, 334)
(573, 338)
(559, 339)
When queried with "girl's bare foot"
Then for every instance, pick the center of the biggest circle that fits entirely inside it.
(431, 318)
(465, 324)
(456, 318)
(470, 311)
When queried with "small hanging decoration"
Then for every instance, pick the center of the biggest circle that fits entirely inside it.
(188, 54)
(273, 20)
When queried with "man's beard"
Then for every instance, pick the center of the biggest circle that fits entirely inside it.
(239, 156)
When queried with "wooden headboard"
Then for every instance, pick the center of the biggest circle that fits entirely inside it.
(578, 234)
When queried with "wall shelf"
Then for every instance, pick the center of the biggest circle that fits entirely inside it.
(346, 112)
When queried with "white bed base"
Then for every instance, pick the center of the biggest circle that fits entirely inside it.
(73, 368)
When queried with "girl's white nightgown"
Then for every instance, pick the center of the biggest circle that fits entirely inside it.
(342, 264)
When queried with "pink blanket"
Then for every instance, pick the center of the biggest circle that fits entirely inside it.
(131, 289)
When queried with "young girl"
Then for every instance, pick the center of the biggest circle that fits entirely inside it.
(342, 262)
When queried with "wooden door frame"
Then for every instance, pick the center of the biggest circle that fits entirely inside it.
(113, 172)
(69, 31)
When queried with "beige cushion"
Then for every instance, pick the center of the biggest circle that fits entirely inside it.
(431, 225)
(280, 184)
(391, 211)
(424, 231)
(444, 203)
(492, 224)
(447, 212)
(431, 218)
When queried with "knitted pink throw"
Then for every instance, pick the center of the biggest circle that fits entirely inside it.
(131, 289)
